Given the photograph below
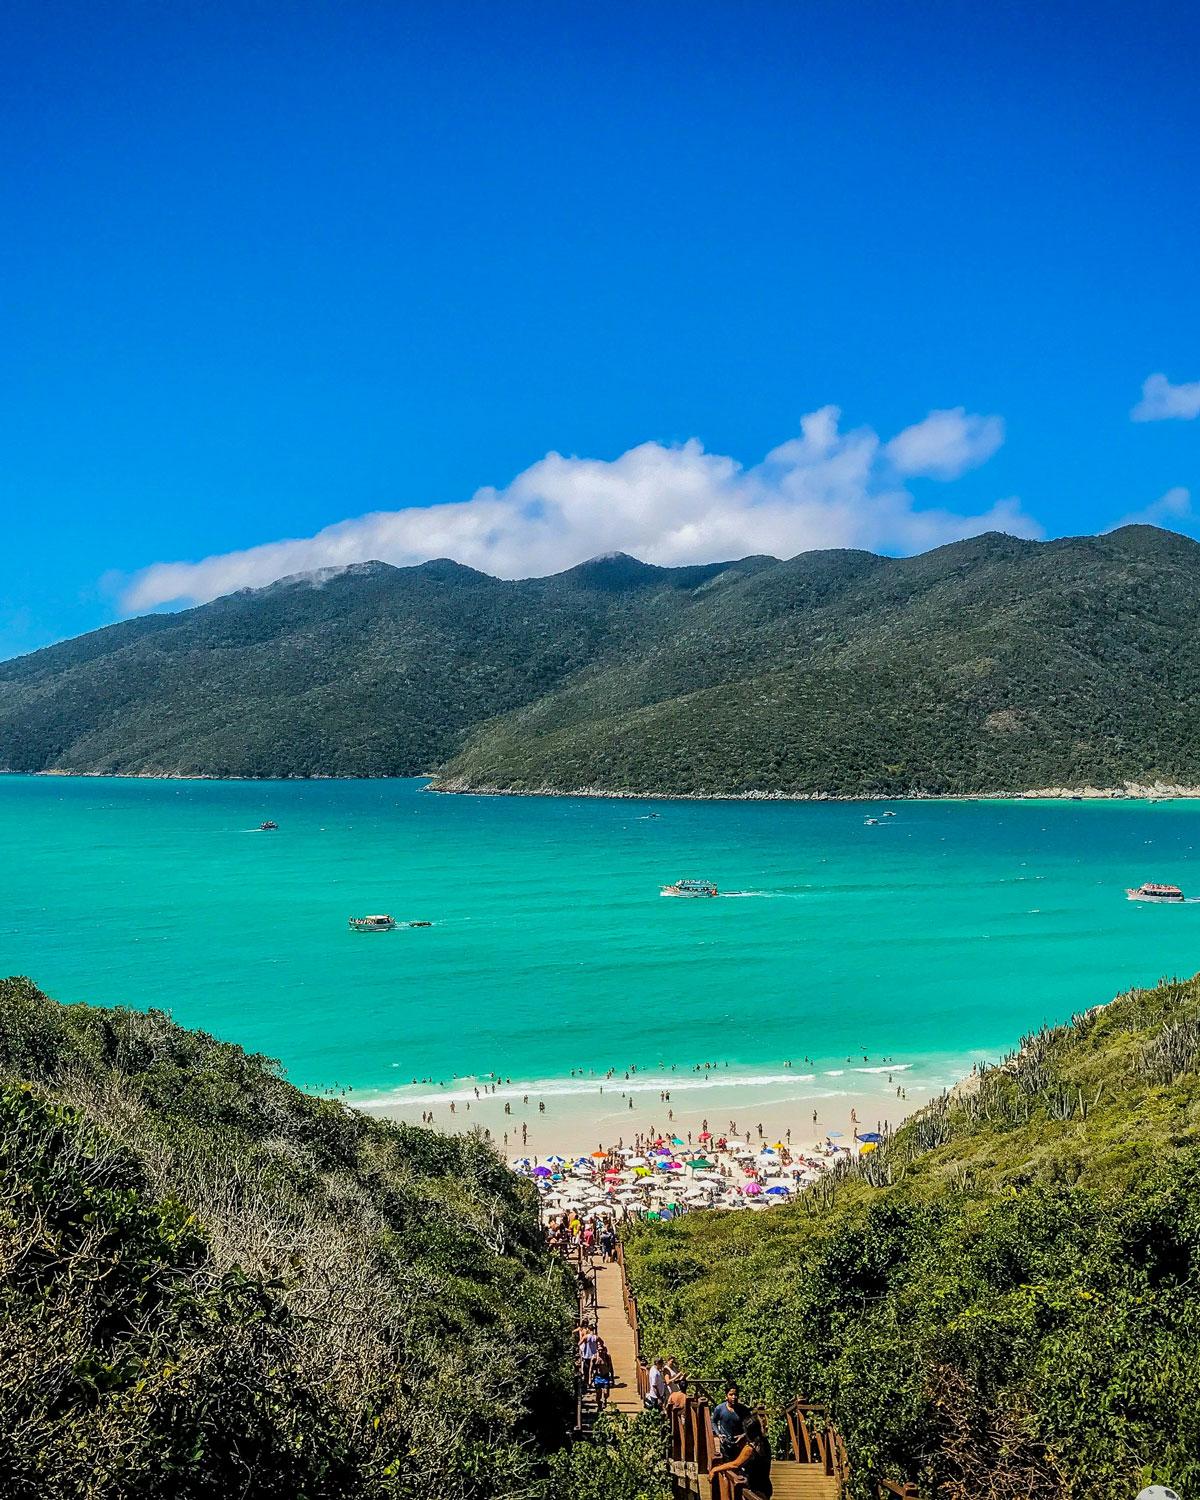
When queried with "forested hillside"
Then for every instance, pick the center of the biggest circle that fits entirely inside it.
(1006, 1301)
(214, 1285)
(992, 664)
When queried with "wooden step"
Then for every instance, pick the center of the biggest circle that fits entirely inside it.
(794, 1481)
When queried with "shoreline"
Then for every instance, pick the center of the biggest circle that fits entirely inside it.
(578, 1115)
(1129, 791)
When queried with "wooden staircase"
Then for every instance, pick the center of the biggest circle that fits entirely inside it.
(810, 1458)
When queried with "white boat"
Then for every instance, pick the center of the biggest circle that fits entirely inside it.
(379, 923)
(869, 822)
(1151, 891)
(690, 888)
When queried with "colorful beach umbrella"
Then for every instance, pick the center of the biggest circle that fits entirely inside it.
(870, 1146)
(751, 1188)
(542, 1172)
(700, 1163)
(870, 1135)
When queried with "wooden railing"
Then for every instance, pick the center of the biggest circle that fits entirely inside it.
(631, 1317)
(801, 1430)
(585, 1401)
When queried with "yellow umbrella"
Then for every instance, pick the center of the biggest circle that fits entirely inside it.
(867, 1146)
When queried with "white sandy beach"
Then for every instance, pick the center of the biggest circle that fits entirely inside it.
(581, 1115)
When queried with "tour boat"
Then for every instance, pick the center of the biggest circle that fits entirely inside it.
(382, 923)
(868, 822)
(1153, 892)
(267, 827)
(691, 888)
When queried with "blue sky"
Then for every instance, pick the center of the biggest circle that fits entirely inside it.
(270, 268)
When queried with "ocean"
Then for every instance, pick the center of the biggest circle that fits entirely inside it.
(938, 936)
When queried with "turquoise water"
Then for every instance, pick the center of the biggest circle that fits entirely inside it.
(945, 931)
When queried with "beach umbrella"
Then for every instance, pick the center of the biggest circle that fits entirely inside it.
(780, 1187)
(767, 1151)
(700, 1162)
(870, 1135)
(778, 1146)
(556, 1161)
(597, 1156)
(676, 1140)
(870, 1146)
(612, 1176)
(705, 1135)
(641, 1171)
(542, 1172)
(636, 1160)
(751, 1188)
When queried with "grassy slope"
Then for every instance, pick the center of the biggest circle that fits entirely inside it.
(213, 1284)
(1007, 1306)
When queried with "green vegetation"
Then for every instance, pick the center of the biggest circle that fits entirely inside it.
(992, 664)
(1003, 1301)
(212, 1284)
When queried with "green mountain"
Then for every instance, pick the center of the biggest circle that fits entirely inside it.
(987, 665)
(1002, 1300)
(212, 1284)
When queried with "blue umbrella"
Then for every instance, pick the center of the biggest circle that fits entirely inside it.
(870, 1135)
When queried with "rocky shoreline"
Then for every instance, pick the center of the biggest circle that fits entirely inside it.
(1130, 791)
(1134, 791)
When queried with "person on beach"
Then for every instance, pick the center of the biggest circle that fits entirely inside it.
(752, 1461)
(729, 1422)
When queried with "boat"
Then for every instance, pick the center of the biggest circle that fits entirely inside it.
(267, 827)
(379, 923)
(1151, 891)
(889, 815)
(867, 822)
(690, 888)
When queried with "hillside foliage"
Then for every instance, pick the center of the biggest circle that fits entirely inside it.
(1002, 1302)
(213, 1284)
(988, 665)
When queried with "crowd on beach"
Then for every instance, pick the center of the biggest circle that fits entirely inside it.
(663, 1176)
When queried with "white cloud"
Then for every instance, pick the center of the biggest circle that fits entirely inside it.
(825, 488)
(1161, 400)
(1168, 510)
(946, 444)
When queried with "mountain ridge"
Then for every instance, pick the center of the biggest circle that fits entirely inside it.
(990, 663)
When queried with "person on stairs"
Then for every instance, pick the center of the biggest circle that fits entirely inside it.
(752, 1462)
(656, 1395)
(729, 1420)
